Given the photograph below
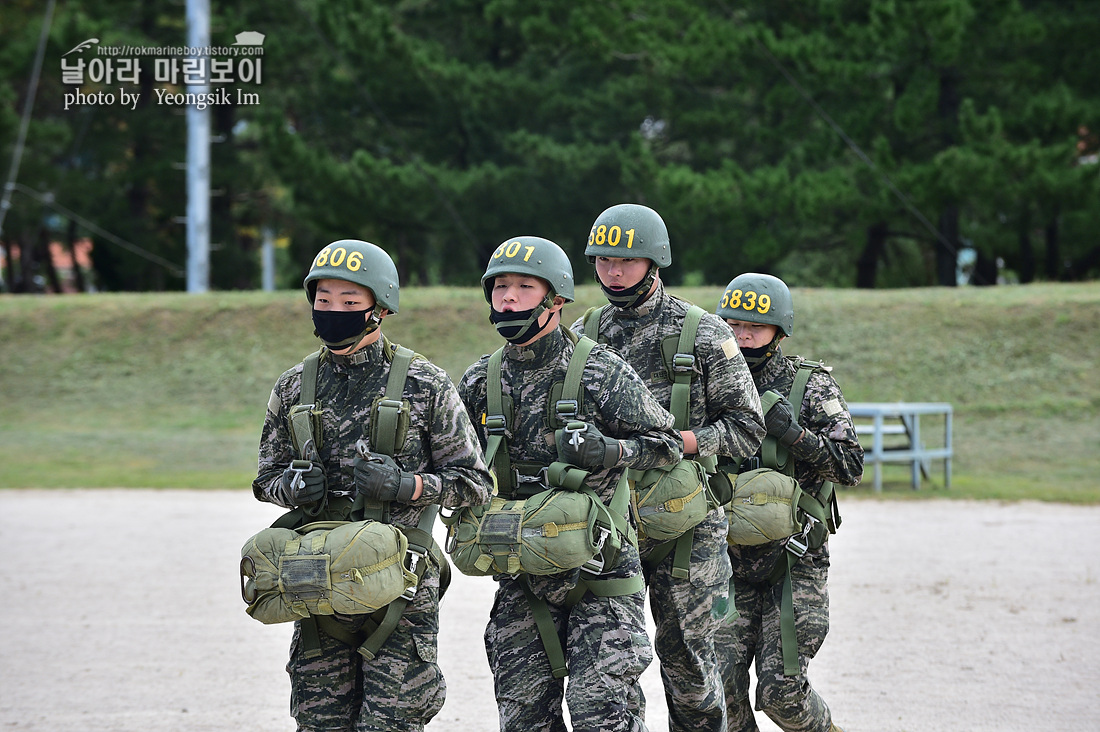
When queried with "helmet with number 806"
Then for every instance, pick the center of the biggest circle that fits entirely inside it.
(360, 262)
(758, 298)
(532, 256)
(629, 230)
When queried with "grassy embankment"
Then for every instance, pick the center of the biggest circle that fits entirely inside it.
(169, 390)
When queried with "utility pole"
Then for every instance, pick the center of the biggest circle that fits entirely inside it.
(198, 155)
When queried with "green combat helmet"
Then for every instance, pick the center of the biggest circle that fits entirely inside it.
(629, 230)
(758, 298)
(532, 256)
(364, 264)
(360, 262)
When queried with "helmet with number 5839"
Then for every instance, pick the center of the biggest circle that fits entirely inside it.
(360, 262)
(758, 298)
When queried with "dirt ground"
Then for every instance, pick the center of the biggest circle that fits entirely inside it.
(123, 613)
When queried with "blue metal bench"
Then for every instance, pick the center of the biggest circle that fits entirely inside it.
(902, 419)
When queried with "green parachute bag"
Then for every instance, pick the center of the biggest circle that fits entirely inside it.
(764, 508)
(324, 568)
(550, 532)
(670, 500)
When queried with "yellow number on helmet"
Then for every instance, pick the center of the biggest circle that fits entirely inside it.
(750, 300)
(765, 304)
(355, 261)
(322, 257)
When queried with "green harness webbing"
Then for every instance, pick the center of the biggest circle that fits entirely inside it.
(679, 365)
(775, 456)
(559, 474)
(305, 430)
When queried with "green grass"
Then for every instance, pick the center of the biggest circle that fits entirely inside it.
(169, 390)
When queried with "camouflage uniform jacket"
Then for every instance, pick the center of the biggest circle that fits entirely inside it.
(440, 444)
(724, 407)
(614, 400)
(828, 450)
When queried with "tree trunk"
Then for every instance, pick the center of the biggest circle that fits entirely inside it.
(47, 259)
(867, 264)
(78, 273)
(947, 252)
(1055, 269)
(1027, 250)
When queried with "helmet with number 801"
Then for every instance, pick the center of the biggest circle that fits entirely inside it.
(360, 262)
(532, 256)
(758, 298)
(629, 230)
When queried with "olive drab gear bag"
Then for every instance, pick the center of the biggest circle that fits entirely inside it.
(324, 568)
(543, 520)
(342, 555)
(669, 501)
(769, 505)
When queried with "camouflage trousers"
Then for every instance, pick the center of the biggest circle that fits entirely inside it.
(606, 650)
(687, 614)
(790, 701)
(400, 690)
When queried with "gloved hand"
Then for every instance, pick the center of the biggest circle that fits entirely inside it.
(781, 423)
(379, 477)
(302, 483)
(583, 445)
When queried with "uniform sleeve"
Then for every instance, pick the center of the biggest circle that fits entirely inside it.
(471, 390)
(458, 474)
(735, 425)
(829, 446)
(276, 448)
(630, 413)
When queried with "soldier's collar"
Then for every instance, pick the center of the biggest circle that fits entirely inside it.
(542, 351)
(371, 353)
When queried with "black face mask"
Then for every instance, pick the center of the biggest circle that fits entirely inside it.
(755, 358)
(339, 329)
(631, 297)
(518, 326)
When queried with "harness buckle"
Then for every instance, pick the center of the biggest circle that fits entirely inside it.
(749, 463)
(797, 545)
(495, 424)
(596, 564)
(574, 429)
(683, 363)
(542, 477)
(415, 555)
(566, 409)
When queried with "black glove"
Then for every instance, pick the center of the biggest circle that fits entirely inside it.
(381, 478)
(302, 483)
(781, 424)
(583, 445)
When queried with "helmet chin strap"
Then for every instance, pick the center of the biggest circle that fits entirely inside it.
(634, 296)
(516, 330)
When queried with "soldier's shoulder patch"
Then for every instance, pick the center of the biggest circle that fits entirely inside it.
(831, 407)
(273, 403)
(729, 347)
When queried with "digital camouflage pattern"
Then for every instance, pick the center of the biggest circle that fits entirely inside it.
(828, 450)
(402, 688)
(604, 638)
(724, 413)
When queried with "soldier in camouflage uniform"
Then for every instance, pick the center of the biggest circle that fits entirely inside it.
(628, 244)
(352, 285)
(527, 282)
(820, 437)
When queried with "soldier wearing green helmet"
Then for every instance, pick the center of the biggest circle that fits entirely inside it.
(333, 457)
(597, 614)
(687, 576)
(818, 434)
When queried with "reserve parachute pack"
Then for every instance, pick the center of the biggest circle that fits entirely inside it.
(543, 519)
(341, 555)
(669, 501)
(769, 505)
